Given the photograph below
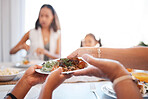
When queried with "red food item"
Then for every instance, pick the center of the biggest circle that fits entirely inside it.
(82, 65)
(70, 64)
(25, 62)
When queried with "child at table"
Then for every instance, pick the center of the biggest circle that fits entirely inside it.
(44, 38)
(90, 41)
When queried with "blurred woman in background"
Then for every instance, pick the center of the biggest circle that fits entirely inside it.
(44, 38)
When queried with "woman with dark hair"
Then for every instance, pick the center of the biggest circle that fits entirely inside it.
(44, 38)
(90, 41)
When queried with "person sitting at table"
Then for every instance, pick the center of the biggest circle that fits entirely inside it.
(45, 38)
(91, 41)
(100, 68)
(134, 58)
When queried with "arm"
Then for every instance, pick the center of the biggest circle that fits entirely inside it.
(125, 89)
(132, 92)
(29, 79)
(136, 58)
(21, 45)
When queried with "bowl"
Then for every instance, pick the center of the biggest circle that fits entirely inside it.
(7, 77)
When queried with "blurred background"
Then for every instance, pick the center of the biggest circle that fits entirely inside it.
(119, 23)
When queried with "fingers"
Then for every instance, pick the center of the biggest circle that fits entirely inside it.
(94, 61)
(37, 67)
(74, 54)
(66, 76)
(59, 70)
(81, 73)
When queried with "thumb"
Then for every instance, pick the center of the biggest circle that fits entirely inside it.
(58, 70)
(94, 61)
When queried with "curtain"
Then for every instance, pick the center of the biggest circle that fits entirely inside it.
(12, 14)
(0, 34)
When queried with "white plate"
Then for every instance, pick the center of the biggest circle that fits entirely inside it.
(21, 65)
(108, 90)
(68, 72)
(7, 77)
(10, 77)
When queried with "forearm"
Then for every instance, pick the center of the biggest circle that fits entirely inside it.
(136, 58)
(53, 56)
(46, 92)
(15, 50)
(21, 89)
(127, 89)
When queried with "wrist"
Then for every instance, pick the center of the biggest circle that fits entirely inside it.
(45, 52)
(119, 72)
(18, 92)
(26, 81)
(94, 52)
(99, 52)
(117, 75)
(121, 79)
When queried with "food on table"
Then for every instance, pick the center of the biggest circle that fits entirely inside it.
(65, 63)
(8, 71)
(143, 86)
(25, 62)
(129, 69)
(48, 66)
(142, 81)
(142, 76)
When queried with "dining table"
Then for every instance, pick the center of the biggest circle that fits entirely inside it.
(76, 87)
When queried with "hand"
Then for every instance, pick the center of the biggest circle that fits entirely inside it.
(33, 78)
(93, 51)
(25, 46)
(29, 79)
(56, 78)
(103, 68)
(40, 51)
(52, 82)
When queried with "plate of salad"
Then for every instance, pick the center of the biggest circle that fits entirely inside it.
(68, 65)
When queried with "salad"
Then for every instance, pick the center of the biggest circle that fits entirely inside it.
(65, 63)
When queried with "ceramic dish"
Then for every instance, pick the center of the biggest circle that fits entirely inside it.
(108, 90)
(68, 72)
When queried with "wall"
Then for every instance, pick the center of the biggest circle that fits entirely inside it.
(0, 34)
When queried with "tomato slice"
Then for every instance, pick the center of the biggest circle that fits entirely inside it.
(82, 65)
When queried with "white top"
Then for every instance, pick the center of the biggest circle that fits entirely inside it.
(36, 41)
